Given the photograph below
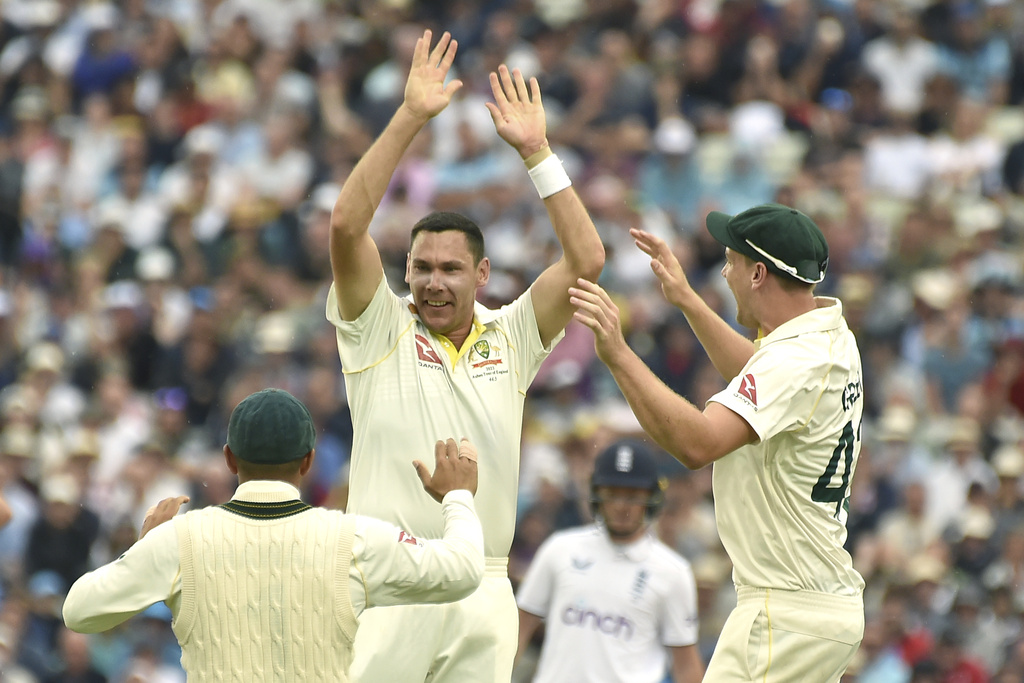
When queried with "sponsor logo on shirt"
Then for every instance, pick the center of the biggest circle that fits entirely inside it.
(613, 625)
(581, 564)
(748, 389)
(405, 537)
(426, 353)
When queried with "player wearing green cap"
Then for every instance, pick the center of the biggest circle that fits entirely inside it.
(784, 437)
(266, 587)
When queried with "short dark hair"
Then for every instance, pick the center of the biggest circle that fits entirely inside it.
(441, 221)
(271, 472)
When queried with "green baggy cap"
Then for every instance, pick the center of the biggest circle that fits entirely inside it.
(271, 427)
(786, 241)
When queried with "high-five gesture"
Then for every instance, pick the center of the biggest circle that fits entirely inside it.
(425, 92)
(596, 310)
(518, 113)
(455, 467)
(666, 266)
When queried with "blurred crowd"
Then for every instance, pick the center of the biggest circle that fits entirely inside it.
(167, 172)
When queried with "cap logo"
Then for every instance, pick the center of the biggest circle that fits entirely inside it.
(624, 459)
(785, 267)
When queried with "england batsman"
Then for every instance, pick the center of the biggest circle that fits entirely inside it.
(784, 437)
(437, 363)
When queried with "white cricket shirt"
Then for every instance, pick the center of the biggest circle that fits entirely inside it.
(405, 394)
(781, 504)
(610, 610)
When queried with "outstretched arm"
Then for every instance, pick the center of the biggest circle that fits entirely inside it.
(728, 350)
(518, 115)
(692, 437)
(355, 260)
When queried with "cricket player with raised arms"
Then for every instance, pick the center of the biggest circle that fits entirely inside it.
(784, 437)
(437, 362)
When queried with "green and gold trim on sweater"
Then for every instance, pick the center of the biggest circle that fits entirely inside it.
(252, 510)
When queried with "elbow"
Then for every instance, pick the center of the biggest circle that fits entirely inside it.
(693, 455)
(468, 577)
(589, 264)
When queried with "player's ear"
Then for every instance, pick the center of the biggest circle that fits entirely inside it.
(759, 274)
(231, 460)
(483, 272)
(408, 266)
(307, 463)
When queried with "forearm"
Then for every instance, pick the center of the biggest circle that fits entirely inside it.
(728, 350)
(668, 418)
(365, 187)
(146, 574)
(440, 570)
(582, 249)
(528, 624)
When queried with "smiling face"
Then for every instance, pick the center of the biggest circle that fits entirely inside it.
(444, 279)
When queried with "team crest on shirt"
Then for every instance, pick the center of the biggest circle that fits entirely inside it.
(405, 537)
(748, 390)
(486, 360)
(428, 358)
(640, 583)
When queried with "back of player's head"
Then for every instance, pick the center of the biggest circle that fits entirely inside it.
(441, 221)
(630, 464)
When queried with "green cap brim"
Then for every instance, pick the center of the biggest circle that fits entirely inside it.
(718, 226)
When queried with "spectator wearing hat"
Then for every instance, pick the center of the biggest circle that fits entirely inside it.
(959, 465)
(1007, 501)
(19, 496)
(61, 540)
(669, 176)
(318, 568)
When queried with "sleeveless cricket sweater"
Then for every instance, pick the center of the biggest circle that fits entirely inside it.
(272, 582)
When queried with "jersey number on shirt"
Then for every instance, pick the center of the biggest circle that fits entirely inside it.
(822, 492)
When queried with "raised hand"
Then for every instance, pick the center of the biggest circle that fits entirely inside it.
(161, 512)
(455, 467)
(595, 309)
(518, 113)
(425, 92)
(665, 265)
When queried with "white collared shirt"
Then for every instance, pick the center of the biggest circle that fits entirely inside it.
(610, 610)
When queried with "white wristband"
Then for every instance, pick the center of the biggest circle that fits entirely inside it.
(549, 177)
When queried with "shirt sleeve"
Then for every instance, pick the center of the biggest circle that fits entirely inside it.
(519, 320)
(777, 390)
(679, 609)
(145, 574)
(364, 341)
(537, 587)
(397, 568)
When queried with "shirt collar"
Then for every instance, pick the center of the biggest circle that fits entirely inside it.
(265, 491)
(827, 316)
(637, 551)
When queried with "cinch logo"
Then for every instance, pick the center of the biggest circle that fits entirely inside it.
(425, 352)
(747, 388)
(609, 624)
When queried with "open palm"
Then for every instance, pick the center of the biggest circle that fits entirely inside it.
(518, 112)
(425, 92)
